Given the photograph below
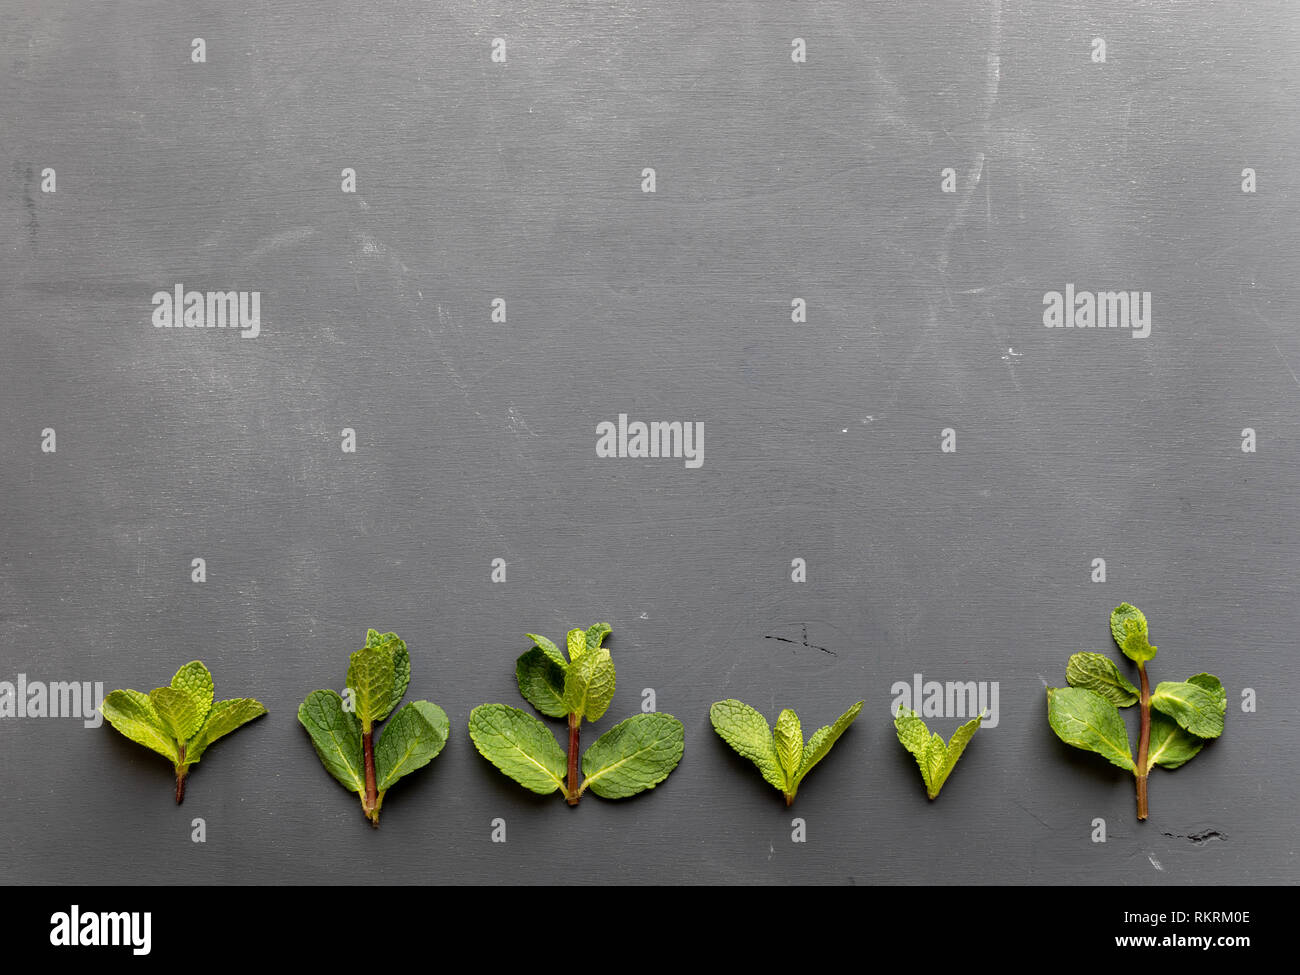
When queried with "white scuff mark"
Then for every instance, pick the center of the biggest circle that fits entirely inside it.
(517, 422)
(1012, 354)
(284, 238)
(1154, 862)
(868, 419)
(645, 616)
(370, 246)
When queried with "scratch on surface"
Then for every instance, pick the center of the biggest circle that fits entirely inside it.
(1198, 839)
(804, 642)
(1282, 358)
(517, 422)
(1154, 862)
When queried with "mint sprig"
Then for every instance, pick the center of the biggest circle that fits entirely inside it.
(179, 721)
(780, 753)
(635, 755)
(935, 759)
(343, 732)
(1175, 720)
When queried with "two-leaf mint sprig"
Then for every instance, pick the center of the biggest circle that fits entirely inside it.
(935, 759)
(179, 721)
(1176, 719)
(634, 755)
(780, 753)
(342, 728)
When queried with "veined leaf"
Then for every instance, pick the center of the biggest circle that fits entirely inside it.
(1196, 707)
(411, 739)
(787, 736)
(179, 711)
(541, 682)
(1170, 746)
(820, 743)
(935, 759)
(195, 680)
(548, 648)
(372, 677)
(133, 714)
(336, 735)
(520, 745)
(224, 718)
(401, 662)
(1086, 720)
(1129, 628)
(747, 731)
(577, 644)
(589, 684)
(596, 634)
(1097, 672)
(634, 755)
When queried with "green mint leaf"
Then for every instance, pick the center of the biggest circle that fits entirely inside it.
(412, 738)
(935, 759)
(336, 735)
(820, 743)
(589, 682)
(520, 745)
(634, 755)
(1170, 746)
(548, 648)
(401, 662)
(596, 634)
(541, 682)
(577, 645)
(1196, 707)
(195, 681)
(180, 712)
(372, 677)
(1129, 628)
(224, 718)
(1086, 720)
(787, 736)
(1097, 672)
(132, 713)
(747, 731)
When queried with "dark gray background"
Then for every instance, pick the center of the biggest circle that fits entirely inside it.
(476, 440)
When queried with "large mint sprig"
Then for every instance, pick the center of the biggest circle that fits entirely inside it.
(635, 755)
(343, 730)
(1176, 719)
(179, 721)
(780, 753)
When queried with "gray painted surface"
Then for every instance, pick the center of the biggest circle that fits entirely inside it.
(476, 440)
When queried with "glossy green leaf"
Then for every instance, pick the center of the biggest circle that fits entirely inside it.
(787, 736)
(634, 755)
(195, 680)
(411, 739)
(548, 648)
(132, 713)
(1197, 708)
(934, 758)
(596, 634)
(1170, 746)
(225, 717)
(541, 682)
(336, 736)
(180, 712)
(1129, 628)
(1097, 672)
(820, 743)
(577, 641)
(1086, 720)
(747, 731)
(520, 745)
(589, 684)
(372, 676)
(401, 664)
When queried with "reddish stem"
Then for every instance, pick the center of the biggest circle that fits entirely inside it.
(372, 792)
(574, 721)
(1144, 743)
(181, 772)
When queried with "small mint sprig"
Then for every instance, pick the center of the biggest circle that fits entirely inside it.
(1176, 719)
(780, 753)
(343, 732)
(935, 759)
(635, 755)
(179, 721)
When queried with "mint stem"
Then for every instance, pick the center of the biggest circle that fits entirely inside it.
(180, 775)
(574, 795)
(1144, 743)
(371, 800)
